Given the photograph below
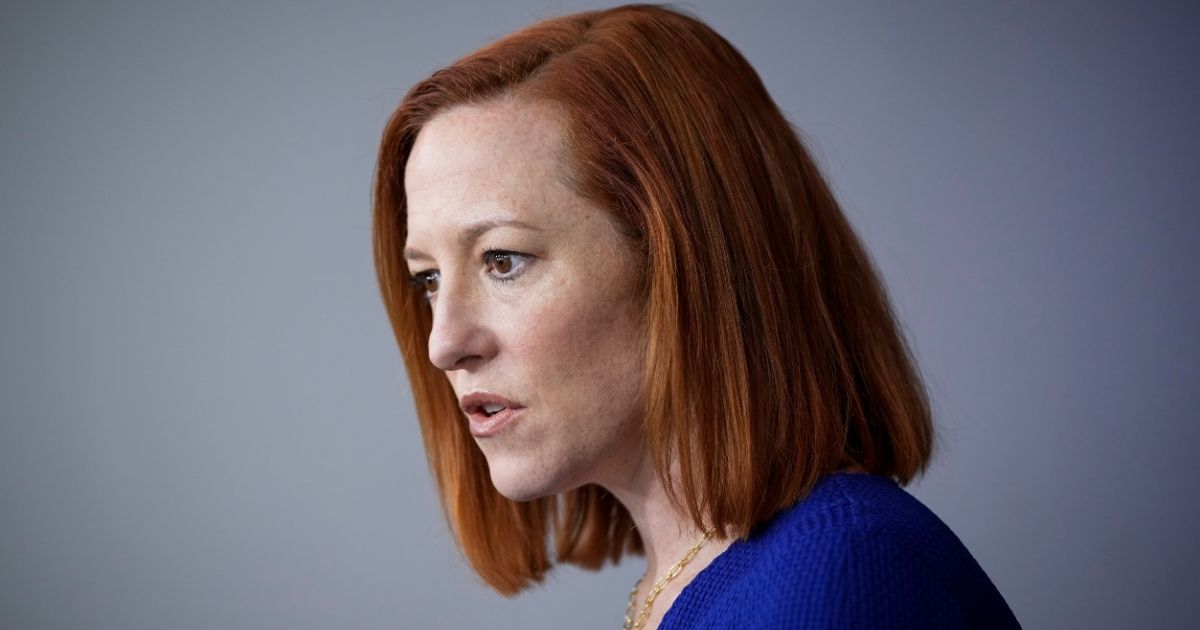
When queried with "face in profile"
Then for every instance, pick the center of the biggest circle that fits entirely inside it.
(532, 292)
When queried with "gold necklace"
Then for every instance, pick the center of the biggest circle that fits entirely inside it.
(630, 623)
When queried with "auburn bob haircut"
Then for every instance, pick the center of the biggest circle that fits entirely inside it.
(757, 291)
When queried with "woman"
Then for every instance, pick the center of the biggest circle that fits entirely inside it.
(635, 320)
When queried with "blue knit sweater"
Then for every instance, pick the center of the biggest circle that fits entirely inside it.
(858, 552)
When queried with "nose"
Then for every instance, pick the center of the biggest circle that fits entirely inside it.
(458, 336)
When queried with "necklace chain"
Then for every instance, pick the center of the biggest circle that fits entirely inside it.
(630, 622)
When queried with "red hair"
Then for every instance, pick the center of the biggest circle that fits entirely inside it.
(758, 292)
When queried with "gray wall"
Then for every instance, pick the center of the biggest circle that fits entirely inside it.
(205, 422)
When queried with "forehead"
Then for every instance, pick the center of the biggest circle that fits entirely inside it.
(475, 161)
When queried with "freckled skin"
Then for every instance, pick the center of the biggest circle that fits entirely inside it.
(563, 338)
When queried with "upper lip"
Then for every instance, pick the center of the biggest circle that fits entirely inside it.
(473, 403)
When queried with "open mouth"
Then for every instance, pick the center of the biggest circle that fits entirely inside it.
(486, 422)
(489, 413)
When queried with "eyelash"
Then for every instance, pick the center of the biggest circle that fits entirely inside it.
(417, 280)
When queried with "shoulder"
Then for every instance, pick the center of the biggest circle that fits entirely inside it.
(858, 552)
(863, 551)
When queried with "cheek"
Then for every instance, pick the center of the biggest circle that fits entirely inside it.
(578, 350)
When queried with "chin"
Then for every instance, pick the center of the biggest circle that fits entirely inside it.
(525, 481)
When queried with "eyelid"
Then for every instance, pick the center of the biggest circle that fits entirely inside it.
(419, 276)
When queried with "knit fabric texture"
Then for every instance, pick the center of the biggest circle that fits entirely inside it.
(858, 552)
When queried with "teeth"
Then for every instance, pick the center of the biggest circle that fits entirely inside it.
(492, 408)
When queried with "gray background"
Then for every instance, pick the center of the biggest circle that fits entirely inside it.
(206, 423)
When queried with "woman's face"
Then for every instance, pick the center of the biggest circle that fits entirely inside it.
(532, 291)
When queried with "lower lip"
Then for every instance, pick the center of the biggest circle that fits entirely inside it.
(486, 426)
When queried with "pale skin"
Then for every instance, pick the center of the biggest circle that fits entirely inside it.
(551, 323)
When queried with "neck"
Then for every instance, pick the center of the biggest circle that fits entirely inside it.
(666, 533)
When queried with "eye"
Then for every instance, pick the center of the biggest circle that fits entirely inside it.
(426, 282)
(508, 264)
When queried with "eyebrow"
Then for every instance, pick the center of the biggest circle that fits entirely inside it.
(472, 232)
